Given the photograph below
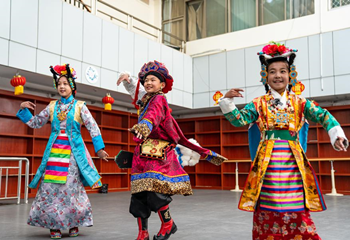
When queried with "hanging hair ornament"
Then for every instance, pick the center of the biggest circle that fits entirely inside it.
(54, 83)
(263, 74)
(293, 75)
(71, 83)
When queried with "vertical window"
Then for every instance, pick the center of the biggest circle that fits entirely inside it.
(300, 8)
(216, 17)
(196, 19)
(195, 11)
(271, 11)
(173, 18)
(205, 18)
(243, 14)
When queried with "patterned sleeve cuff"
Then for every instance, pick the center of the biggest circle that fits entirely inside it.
(98, 143)
(227, 105)
(336, 132)
(24, 115)
(215, 158)
(144, 127)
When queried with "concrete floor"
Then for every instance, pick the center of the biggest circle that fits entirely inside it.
(208, 214)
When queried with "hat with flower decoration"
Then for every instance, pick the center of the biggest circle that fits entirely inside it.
(157, 69)
(275, 52)
(64, 70)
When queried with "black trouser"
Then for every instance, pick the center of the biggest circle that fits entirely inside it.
(143, 203)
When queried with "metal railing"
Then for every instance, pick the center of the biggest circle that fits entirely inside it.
(19, 178)
(130, 22)
(79, 4)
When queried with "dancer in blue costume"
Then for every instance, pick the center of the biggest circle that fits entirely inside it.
(61, 201)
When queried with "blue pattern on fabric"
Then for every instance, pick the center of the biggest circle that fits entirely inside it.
(148, 123)
(144, 111)
(159, 176)
(60, 141)
(55, 168)
(211, 155)
(179, 153)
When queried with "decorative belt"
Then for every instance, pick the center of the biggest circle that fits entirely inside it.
(280, 135)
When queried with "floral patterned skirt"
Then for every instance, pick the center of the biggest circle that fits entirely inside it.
(62, 206)
(268, 225)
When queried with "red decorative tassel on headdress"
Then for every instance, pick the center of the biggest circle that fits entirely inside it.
(136, 97)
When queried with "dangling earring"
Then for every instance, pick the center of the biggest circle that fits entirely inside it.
(263, 74)
(293, 75)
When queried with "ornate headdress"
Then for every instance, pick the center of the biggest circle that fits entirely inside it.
(157, 69)
(64, 70)
(274, 52)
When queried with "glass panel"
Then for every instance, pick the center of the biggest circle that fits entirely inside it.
(215, 17)
(271, 11)
(335, 3)
(288, 9)
(175, 28)
(303, 8)
(243, 14)
(172, 9)
(345, 2)
(195, 20)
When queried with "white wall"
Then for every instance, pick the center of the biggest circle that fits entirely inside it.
(324, 20)
(38, 33)
(324, 69)
(149, 13)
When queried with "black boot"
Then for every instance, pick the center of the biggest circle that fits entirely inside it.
(168, 226)
(143, 229)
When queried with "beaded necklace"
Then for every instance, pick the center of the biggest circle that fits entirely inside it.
(62, 115)
(280, 116)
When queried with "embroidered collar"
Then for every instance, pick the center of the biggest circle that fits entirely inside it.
(146, 98)
(283, 98)
(68, 100)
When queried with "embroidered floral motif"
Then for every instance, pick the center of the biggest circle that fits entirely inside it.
(300, 225)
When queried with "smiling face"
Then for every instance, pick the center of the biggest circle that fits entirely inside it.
(63, 87)
(278, 76)
(152, 84)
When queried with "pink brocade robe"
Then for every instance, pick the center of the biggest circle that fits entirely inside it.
(163, 176)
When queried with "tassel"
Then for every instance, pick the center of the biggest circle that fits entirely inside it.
(136, 95)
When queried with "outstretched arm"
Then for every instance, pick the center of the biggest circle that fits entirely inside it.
(130, 85)
(237, 118)
(36, 121)
(329, 123)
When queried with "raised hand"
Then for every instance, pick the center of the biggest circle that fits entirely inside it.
(123, 77)
(136, 133)
(234, 92)
(339, 144)
(103, 155)
(27, 104)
